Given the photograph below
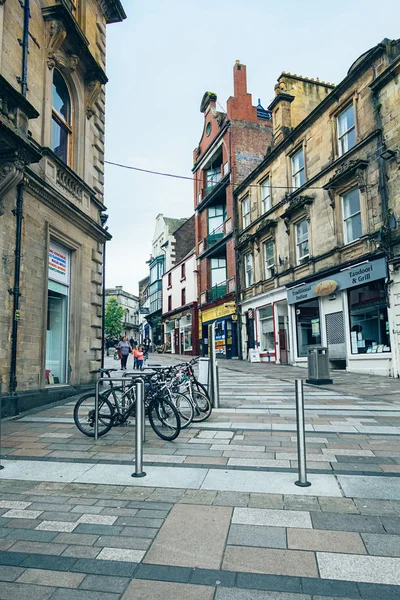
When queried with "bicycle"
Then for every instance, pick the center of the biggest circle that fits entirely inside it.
(162, 414)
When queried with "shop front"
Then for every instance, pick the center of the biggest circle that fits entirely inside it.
(180, 332)
(265, 326)
(347, 312)
(226, 337)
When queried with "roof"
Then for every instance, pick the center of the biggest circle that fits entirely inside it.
(174, 224)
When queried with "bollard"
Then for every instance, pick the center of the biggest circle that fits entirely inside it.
(139, 430)
(1, 466)
(214, 373)
(96, 411)
(301, 435)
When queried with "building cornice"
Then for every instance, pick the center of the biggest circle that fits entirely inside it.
(113, 10)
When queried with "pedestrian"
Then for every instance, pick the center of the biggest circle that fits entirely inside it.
(146, 349)
(140, 359)
(132, 342)
(124, 350)
(135, 357)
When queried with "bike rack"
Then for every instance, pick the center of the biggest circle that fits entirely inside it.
(1, 466)
(140, 435)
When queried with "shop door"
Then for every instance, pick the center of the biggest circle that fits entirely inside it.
(283, 348)
(176, 341)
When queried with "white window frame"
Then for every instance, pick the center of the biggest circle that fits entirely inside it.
(265, 187)
(343, 137)
(300, 240)
(246, 215)
(301, 170)
(345, 219)
(269, 268)
(248, 269)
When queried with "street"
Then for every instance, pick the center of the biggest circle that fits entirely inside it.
(218, 514)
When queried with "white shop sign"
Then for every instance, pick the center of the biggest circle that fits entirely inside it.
(59, 263)
(254, 355)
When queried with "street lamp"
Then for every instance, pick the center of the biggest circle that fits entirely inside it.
(103, 219)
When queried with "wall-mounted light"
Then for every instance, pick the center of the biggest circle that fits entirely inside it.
(388, 154)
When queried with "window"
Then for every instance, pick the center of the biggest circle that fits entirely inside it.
(183, 271)
(351, 215)
(183, 297)
(302, 251)
(246, 212)
(169, 303)
(308, 325)
(346, 130)
(265, 195)
(218, 277)
(169, 280)
(269, 259)
(216, 217)
(248, 269)
(61, 129)
(369, 325)
(267, 329)
(298, 172)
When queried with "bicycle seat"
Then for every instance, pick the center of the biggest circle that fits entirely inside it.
(106, 370)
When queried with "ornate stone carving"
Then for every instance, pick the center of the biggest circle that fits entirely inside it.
(73, 62)
(93, 89)
(56, 36)
(11, 174)
(352, 168)
(331, 195)
(69, 183)
(287, 225)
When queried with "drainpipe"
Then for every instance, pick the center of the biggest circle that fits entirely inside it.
(15, 291)
(381, 161)
(103, 219)
(25, 48)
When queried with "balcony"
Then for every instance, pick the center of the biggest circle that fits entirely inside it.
(214, 239)
(214, 187)
(218, 291)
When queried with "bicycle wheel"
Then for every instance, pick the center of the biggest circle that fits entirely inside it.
(185, 408)
(84, 415)
(202, 407)
(201, 388)
(164, 419)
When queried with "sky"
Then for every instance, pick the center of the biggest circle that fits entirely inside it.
(162, 59)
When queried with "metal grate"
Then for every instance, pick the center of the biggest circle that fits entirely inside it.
(335, 328)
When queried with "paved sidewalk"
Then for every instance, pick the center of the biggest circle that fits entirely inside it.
(218, 516)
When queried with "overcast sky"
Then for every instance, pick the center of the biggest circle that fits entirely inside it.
(162, 59)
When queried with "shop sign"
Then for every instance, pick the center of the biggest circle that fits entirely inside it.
(58, 263)
(218, 312)
(351, 277)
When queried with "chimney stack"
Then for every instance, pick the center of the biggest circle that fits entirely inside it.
(239, 106)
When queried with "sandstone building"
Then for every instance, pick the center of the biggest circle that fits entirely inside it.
(52, 105)
(319, 220)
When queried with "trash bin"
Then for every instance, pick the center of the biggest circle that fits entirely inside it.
(318, 365)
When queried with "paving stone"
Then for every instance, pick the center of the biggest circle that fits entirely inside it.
(88, 510)
(294, 502)
(139, 532)
(38, 547)
(368, 569)
(272, 583)
(152, 514)
(235, 594)
(19, 591)
(391, 524)
(139, 543)
(276, 562)
(338, 505)
(265, 500)
(6, 543)
(63, 594)
(370, 591)
(271, 517)
(330, 590)
(48, 562)
(148, 505)
(137, 522)
(49, 507)
(52, 578)
(8, 573)
(213, 577)
(60, 526)
(329, 541)
(119, 512)
(75, 538)
(142, 589)
(121, 554)
(163, 573)
(382, 544)
(97, 529)
(81, 551)
(15, 504)
(16, 513)
(102, 567)
(104, 583)
(375, 507)
(257, 535)
(232, 499)
(22, 523)
(110, 503)
(97, 519)
(12, 558)
(198, 497)
(339, 522)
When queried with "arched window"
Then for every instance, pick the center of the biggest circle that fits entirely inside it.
(61, 128)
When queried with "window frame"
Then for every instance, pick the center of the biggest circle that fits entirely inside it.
(269, 270)
(183, 296)
(61, 122)
(301, 259)
(246, 215)
(249, 279)
(183, 271)
(343, 136)
(266, 197)
(169, 302)
(344, 219)
(302, 169)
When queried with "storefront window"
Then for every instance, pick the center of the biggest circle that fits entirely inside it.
(308, 325)
(220, 338)
(369, 325)
(267, 329)
(57, 316)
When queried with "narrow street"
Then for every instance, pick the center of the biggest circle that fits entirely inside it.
(218, 515)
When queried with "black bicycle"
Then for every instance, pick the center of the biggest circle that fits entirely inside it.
(118, 403)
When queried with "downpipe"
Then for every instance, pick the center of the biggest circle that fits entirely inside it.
(15, 291)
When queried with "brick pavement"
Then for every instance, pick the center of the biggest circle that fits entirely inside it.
(68, 540)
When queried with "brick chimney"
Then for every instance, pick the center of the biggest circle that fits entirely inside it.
(239, 106)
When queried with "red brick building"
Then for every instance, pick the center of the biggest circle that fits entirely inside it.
(232, 144)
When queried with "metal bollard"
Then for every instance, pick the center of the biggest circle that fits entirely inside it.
(1, 466)
(301, 435)
(96, 411)
(139, 430)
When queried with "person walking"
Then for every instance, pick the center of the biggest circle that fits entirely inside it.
(135, 357)
(124, 349)
(140, 359)
(146, 348)
(132, 342)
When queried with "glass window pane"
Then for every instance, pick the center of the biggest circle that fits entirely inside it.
(57, 337)
(307, 325)
(369, 325)
(59, 140)
(61, 99)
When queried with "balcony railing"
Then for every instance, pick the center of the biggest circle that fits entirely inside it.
(215, 182)
(217, 291)
(218, 234)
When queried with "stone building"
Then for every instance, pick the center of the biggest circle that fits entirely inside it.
(130, 304)
(318, 221)
(52, 105)
(231, 145)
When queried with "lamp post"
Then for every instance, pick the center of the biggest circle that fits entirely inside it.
(103, 219)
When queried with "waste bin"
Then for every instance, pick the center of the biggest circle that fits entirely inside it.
(318, 365)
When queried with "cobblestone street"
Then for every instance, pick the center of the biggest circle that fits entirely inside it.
(218, 515)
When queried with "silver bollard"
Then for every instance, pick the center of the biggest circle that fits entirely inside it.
(139, 430)
(214, 372)
(1, 466)
(301, 435)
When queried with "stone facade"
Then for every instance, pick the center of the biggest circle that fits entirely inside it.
(316, 171)
(47, 197)
(130, 304)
